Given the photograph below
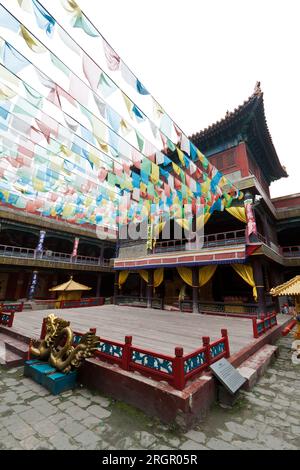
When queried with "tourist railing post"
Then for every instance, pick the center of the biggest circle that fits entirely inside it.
(254, 325)
(195, 280)
(205, 342)
(178, 369)
(116, 287)
(150, 285)
(126, 356)
(263, 320)
(11, 319)
(224, 334)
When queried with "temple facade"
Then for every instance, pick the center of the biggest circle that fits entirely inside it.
(246, 249)
(243, 252)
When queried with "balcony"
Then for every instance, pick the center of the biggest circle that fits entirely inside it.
(21, 253)
(291, 251)
(214, 240)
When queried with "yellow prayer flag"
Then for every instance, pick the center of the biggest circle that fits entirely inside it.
(31, 42)
(176, 168)
(154, 173)
(181, 156)
(128, 104)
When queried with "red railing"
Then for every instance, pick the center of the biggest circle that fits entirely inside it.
(177, 370)
(53, 256)
(7, 318)
(7, 313)
(291, 251)
(232, 237)
(11, 308)
(93, 301)
(264, 324)
(85, 302)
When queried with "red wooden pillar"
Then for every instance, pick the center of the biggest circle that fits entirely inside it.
(195, 280)
(263, 320)
(11, 319)
(150, 287)
(126, 356)
(224, 334)
(116, 286)
(98, 287)
(254, 325)
(178, 369)
(206, 342)
(259, 283)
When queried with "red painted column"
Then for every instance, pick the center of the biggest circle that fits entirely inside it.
(126, 356)
(206, 342)
(224, 334)
(150, 287)
(195, 280)
(116, 287)
(259, 283)
(178, 369)
(254, 325)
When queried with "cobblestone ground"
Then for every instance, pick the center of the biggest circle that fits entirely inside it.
(265, 418)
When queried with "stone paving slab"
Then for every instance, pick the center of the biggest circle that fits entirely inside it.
(267, 417)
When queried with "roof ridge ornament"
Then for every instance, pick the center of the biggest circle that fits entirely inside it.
(257, 89)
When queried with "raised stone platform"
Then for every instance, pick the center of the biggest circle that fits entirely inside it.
(159, 331)
(160, 399)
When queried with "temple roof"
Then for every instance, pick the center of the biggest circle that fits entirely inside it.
(69, 286)
(291, 287)
(246, 123)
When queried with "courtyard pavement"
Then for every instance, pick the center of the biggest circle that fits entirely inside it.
(265, 418)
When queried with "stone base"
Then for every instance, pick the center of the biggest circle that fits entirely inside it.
(225, 398)
(254, 367)
(185, 407)
(46, 375)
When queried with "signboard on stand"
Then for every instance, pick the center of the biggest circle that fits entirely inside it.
(227, 375)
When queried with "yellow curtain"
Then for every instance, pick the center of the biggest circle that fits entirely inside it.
(202, 219)
(123, 275)
(238, 212)
(186, 275)
(181, 295)
(246, 273)
(206, 273)
(144, 274)
(158, 276)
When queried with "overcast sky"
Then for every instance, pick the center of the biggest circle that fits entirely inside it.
(200, 58)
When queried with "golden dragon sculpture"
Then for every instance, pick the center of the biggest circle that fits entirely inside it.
(58, 348)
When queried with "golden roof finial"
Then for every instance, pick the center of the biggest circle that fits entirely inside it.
(257, 89)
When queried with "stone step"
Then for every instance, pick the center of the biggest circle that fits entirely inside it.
(14, 334)
(9, 358)
(15, 345)
(254, 367)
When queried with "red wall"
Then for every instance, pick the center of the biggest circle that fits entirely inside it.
(287, 202)
(234, 159)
